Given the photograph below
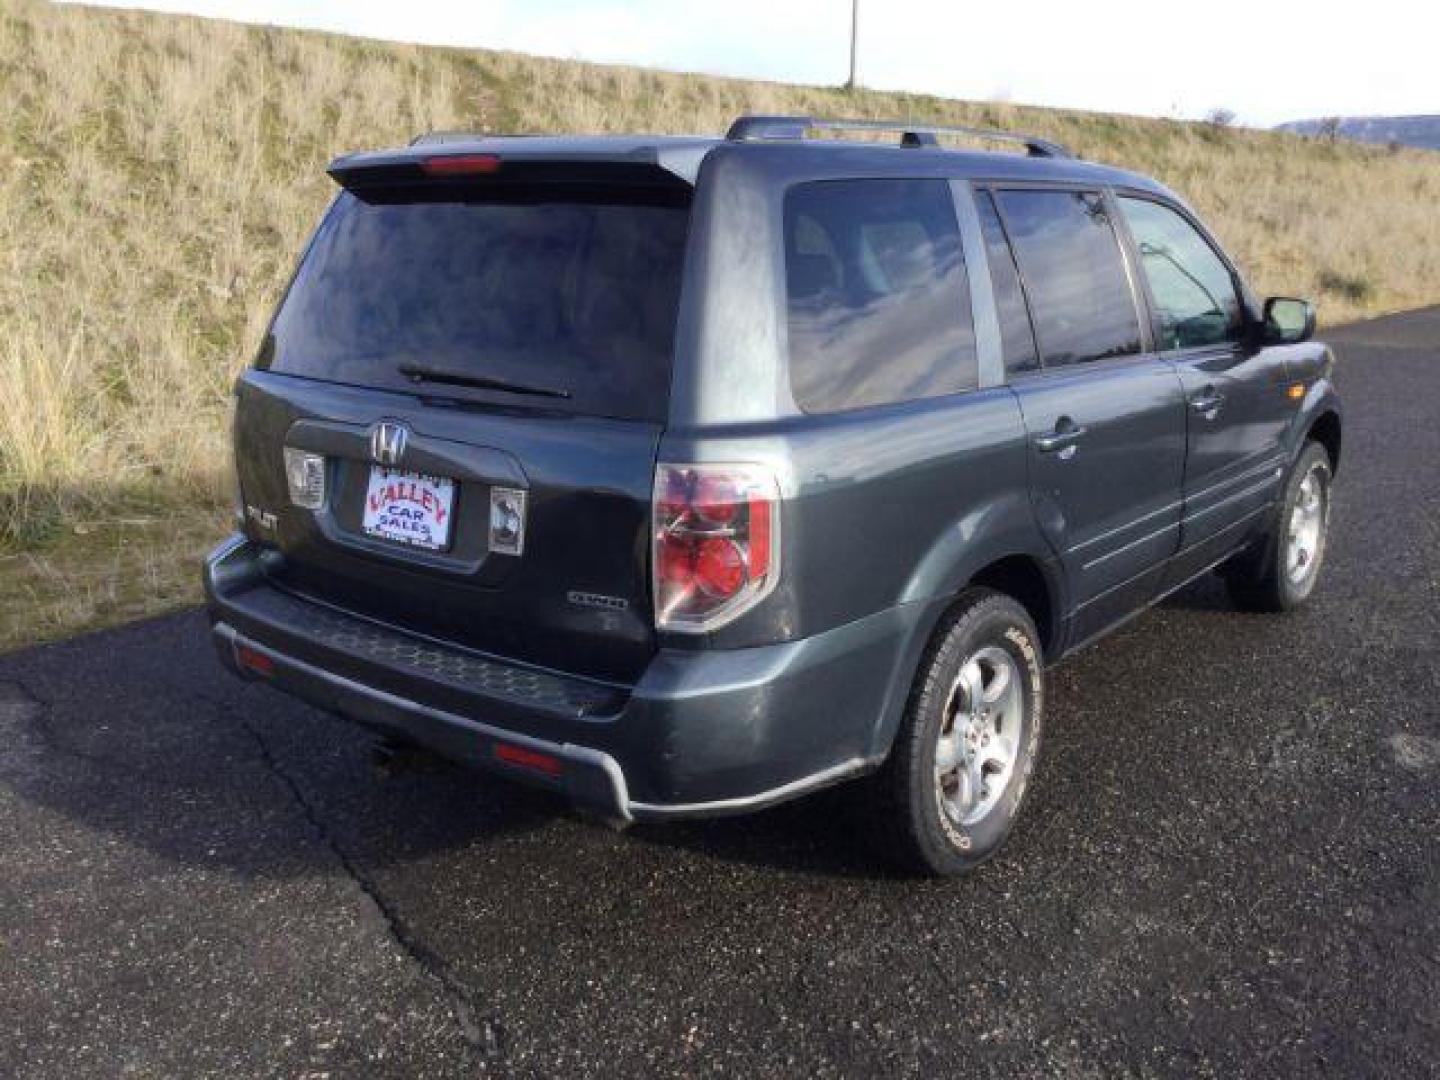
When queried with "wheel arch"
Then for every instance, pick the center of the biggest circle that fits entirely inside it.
(1325, 429)
(1030, 579)
(1026, 580)
(1319, 417)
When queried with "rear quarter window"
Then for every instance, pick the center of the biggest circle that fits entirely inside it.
(878, 305)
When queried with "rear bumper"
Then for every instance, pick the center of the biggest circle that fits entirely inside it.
(701, 733)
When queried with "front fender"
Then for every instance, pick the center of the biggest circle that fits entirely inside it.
(1321, 397)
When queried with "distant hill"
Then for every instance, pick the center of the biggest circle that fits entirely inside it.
(1418, 131)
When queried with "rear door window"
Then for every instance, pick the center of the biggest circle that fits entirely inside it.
(1069, 254)
(878, 301)
(570, 293)
(1017, 339)
(1194, 294)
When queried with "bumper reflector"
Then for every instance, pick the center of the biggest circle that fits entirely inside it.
(533, 760)
(252, 660)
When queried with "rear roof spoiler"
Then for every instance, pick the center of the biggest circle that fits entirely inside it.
(503, 170)
(666, 162)
(755, 128)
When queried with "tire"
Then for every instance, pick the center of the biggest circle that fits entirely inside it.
(1280, 572)
(940, 821)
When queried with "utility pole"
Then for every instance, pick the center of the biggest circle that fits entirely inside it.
(854, 37)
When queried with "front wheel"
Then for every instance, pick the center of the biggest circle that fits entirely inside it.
(958, 771)
(1280, 574)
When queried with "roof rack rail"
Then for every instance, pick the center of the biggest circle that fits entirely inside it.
(751, 128)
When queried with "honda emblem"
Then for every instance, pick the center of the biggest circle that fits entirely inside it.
(388, 440)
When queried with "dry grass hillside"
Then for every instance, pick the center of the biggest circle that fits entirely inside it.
(158, 175)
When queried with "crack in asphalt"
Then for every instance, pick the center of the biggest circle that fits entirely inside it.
(482, 1036)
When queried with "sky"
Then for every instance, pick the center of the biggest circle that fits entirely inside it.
(1264, 60)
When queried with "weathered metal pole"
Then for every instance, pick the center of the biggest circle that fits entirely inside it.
(854, 37)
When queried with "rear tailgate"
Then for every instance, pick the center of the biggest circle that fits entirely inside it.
(480, 369)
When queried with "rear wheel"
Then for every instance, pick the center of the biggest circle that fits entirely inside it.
(1281, 572)
(957, 774)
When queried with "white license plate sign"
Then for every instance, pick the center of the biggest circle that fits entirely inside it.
(409, 507)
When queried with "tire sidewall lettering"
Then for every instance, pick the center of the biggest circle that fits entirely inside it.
(985, 834)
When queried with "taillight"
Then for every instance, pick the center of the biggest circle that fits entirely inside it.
(716, 543)
(305, 476)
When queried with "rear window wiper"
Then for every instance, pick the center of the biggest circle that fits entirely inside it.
(420, 373)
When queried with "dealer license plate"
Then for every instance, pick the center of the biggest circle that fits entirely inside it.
(409, 507)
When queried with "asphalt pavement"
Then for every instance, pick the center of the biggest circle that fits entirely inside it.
(1230, 864)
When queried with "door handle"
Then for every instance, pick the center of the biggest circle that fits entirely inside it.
(1207, 404)
(1062, 440)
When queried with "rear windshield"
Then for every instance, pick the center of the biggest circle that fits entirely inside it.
(554, 298)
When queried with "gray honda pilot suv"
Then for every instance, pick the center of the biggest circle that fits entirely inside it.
(684, 476)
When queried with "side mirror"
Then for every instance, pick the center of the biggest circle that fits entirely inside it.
(1288, 321)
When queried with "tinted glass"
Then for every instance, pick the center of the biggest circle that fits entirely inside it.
(1068, 252)
(879, 306)
(1194, 295)
(1016, 337)
(571, 294)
